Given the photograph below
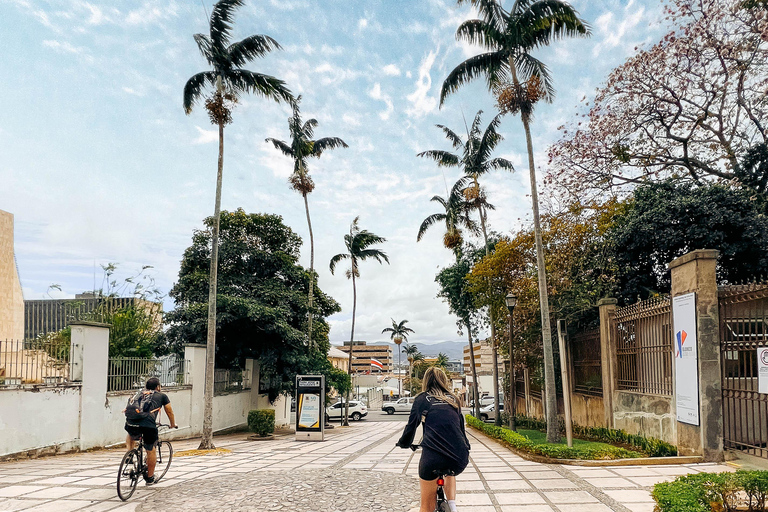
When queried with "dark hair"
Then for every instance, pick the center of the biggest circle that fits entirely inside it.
(152, 383)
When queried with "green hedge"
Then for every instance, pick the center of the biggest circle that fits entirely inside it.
(706, 492)
(261, 421)
(649, 445)
(555, 451)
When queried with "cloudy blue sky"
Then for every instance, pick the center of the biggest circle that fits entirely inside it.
(99, 163)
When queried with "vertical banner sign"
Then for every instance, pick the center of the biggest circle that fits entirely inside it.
(310, 407)
(762, 369)
(685, 350)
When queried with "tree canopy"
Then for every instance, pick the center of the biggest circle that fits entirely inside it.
(261, 300)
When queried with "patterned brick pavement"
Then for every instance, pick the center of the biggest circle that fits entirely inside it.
(355, 467)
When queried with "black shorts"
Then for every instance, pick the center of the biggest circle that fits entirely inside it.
(148, 433)
(434, 464)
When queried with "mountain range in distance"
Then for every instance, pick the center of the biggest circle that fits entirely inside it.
(453, 349)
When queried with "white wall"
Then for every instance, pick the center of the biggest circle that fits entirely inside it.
(31, 420)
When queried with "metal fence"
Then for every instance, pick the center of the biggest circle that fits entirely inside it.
(586, 362)
(744, 338)
(643, 334)
(131, 373)
(42, 361)
(230, 381)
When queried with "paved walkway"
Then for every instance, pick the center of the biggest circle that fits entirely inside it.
(356, 468)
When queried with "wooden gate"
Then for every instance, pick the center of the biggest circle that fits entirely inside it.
(743, 329)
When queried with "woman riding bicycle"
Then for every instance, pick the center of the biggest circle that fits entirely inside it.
(445, 447)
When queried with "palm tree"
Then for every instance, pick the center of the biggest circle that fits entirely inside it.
(399, 333)
(229, 80)
(509, 37)
(442, 360)
(410, 351)
(475, 159)
(301, 148)
(358, 243)
(455, 217)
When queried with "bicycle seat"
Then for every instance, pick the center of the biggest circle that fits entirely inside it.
(443, 473)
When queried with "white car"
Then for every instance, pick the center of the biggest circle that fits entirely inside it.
(489, 413)
(357, 410)
(402, 405)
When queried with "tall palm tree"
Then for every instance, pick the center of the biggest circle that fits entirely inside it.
(301, 148)
(509, 37)
(229, 80)
(410, 351)
(358, 243)
(455, 218)
(399, 334)
(442, 360)
(474, 157)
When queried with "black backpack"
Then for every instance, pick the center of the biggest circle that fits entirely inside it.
(139, 406)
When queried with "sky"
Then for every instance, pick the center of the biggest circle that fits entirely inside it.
(99, 164)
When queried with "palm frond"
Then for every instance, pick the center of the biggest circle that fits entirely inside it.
(452, 136)
(442, 158)
(281, 146)
(336, 259)
(490, 10)
(373, 254)
(428, 223)
(205, 46)
(327, 143)
(480, 33)
(528, 66)
(546, 20)
(193, 89)
(242, 52)
(490, 65)
(264, 85)
(221, 21)
(501, 163)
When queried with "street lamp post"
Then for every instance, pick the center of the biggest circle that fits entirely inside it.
(398, 341)
(511, 301)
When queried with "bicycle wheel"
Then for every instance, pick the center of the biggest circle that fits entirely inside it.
(128, 475)
(164, 457)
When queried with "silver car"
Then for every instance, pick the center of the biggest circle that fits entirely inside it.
(489, 412)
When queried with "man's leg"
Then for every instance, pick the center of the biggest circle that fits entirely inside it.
(151, 461)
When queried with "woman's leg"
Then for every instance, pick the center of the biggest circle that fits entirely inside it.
(428, 493)
(450, 487)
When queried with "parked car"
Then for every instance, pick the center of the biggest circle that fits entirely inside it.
(401, 405)
(489, 412)
(487, 400)
(357, 410)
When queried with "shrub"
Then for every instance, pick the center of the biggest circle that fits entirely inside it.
(261, 421)
(554, 451)
(755, 484)
(649, 445)
(705, 492)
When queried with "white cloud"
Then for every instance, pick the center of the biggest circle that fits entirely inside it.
(206, 136)
(422, 103)
(132, 92)
(615, 32)
(334, 74)
(362, 23)
(351, 119)
(150, 13)
(391, 70)
(376, 94)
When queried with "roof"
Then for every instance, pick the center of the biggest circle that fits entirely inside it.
(337, 354)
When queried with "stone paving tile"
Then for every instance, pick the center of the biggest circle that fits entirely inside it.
(584, 507)
(570, 497)
(526, 508)
(610, 483)
(53, 492)
(630, 496)
(553, 483)
(518, 498)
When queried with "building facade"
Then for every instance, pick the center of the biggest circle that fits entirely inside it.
(364, 353)
(11, 298)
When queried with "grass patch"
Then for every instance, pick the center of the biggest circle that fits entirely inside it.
(541, 438)
(592, 451)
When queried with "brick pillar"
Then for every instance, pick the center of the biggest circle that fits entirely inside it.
(695, 273)
(607, 309)
(90, 342)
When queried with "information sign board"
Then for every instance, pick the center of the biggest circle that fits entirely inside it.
(762, 369)
(310, 407)
(685, 351)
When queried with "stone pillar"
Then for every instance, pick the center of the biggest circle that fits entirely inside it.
(91, 340)
(695, 272)
(195, 354)
(607, 309)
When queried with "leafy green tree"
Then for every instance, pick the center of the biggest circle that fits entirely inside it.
(665, 220)
(359, 244)
(509, 38)
(228, 79)
(475, 160)
(302, 147)
(442, 360)
(261, 304)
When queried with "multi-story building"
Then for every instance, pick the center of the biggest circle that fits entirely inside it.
(483, 365)
(364, 353)
(51, 315)
(11, 298)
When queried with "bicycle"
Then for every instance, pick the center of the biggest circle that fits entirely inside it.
(134, 466)
(441, 502)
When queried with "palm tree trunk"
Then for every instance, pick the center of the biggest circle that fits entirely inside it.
(496, 421)
(476, 394)
(351, 341)
(206, 443)
(311, 268)
(553, 426)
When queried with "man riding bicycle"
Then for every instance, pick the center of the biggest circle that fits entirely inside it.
(143, 422)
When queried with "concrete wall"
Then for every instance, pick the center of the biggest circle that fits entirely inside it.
(647, 415)
(587, 410)
(83, 415)
(11, 298)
